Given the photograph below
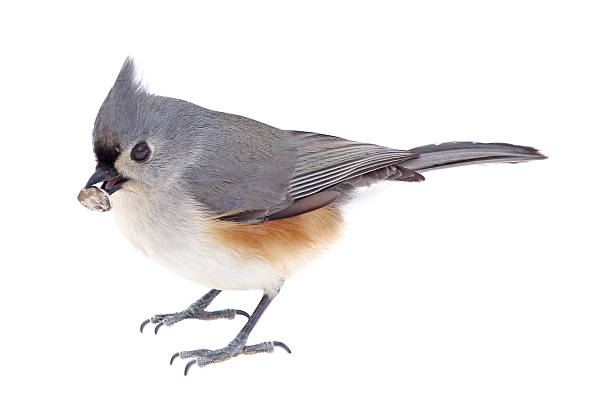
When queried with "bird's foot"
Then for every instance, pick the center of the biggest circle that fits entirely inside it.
(192, 312)
(205, 357)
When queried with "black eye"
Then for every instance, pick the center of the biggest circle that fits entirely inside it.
(141, 151)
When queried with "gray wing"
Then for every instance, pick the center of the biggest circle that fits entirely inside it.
(325, 161)
(261, 173)
(243, 168)
(328, 166)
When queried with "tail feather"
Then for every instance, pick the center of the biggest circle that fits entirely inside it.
(451, 154)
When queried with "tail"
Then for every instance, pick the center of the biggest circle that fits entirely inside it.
(452, 154)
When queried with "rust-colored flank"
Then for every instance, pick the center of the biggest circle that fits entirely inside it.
(282, 242)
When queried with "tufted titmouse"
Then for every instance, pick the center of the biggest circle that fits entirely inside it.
(235, 204)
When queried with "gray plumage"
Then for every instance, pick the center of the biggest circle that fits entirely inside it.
(244, 170)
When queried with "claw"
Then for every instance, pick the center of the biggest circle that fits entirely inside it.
(189, 365)
(243, 313)
(144, 323)
(282, 345)
(158, 326)
(176, 355)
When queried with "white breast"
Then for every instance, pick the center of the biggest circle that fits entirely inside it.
(173, 232)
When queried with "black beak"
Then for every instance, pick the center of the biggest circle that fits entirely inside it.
(108, 175)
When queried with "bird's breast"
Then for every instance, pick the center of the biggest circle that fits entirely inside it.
(182, 236)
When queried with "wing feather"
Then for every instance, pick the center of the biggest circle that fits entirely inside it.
(278, 173)
(324, 161)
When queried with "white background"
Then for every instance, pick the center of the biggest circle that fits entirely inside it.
(484, 291)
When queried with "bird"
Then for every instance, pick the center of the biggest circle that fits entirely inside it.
(235, 204)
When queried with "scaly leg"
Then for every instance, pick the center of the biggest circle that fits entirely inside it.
(194, 311)
(236, 347)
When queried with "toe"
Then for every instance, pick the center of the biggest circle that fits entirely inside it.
(158, 326)
(144, 323)
(189, 365)
(282, 345)
(243, 313)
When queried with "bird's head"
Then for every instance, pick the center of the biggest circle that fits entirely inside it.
(136, 137)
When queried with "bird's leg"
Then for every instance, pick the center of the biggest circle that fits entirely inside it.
(194, 311)
(236, 347)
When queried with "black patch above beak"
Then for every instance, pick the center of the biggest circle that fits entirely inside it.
(108, 175)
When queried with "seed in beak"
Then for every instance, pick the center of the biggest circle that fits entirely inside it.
(94, 199)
